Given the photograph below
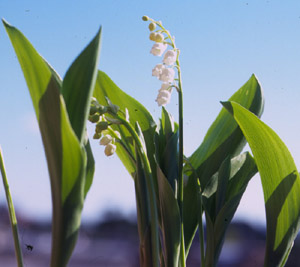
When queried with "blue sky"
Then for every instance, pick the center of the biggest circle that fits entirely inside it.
(222, 43)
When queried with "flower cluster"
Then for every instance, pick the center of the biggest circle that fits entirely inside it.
(103, 131)
(164, 71)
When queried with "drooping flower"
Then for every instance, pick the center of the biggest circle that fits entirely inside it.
(170, 57)
(166, 86)
(167, 75)
(110, 149)
(158, 49)
(158, 70)
(163, 98)
(105, 140)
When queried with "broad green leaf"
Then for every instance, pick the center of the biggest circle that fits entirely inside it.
(221, 198)
(66, 156)
(170, 221)
(105, 87)
(224, 136)
(280, 181)
(37, 74)
(222, 139)
(78, 86)
(77, 90)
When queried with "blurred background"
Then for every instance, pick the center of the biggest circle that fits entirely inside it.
(222, 43)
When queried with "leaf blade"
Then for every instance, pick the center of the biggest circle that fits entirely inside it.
(280, 181)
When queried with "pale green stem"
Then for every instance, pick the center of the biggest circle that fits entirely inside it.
(150, 188)
(180, 158)
(180, 166)
(12, 215)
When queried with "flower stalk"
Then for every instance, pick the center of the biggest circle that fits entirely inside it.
(166, 75)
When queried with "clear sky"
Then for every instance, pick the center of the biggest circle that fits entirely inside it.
(222, 43)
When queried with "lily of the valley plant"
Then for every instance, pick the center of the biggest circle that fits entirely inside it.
(175, 193)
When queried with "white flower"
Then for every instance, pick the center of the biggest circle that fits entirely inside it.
(110, 149)
(105, 140)
(157, 70)
(167, 75)
(163, 98)
(158, 49)
(170, 57)
(166, 86)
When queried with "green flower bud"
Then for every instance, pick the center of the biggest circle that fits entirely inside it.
(101, 126)
(94, 118)
(93, 110)
(159, 37)
(102, 109)
(94, 101)
(152, 26)
(152, 36)
(145, 18)
(96, 136)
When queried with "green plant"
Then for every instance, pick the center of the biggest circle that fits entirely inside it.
(61, 108)
(216, 175)
(173, 191)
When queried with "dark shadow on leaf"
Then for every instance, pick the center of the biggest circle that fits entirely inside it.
(274, 206)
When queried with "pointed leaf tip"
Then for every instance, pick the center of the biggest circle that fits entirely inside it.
(5, 23)
(227, 105)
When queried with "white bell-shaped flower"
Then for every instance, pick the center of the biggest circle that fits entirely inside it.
(110, 149)
(158, 70)
(158, 49)
(167, 75)
(163, 98)
(105, 140)
(170, 57)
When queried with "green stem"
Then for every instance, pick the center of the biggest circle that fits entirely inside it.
(150, 188)
(12, 215)
(180, 163)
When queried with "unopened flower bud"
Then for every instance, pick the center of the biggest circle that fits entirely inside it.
(152, 26)
(152, 36)
(96, 136)
(102, 109)
(159, 37)
(94, 118)
(105, 140)
(101, 126)
(110, 149)
(93, 110)
(145, 18)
